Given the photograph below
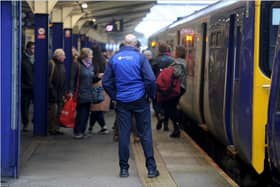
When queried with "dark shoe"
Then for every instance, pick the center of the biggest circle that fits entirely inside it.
(90, 130)
(175, 134)
(53, 133)
(124, 173)
(153, 173)
(159, 125)
(104, 131)
(59, 133)
(166, 129)
(25, 130)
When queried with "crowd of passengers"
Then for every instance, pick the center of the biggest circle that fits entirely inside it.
(128, 78)
(88, 68)
(92, 64)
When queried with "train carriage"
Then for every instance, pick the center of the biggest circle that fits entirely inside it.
(230, 48)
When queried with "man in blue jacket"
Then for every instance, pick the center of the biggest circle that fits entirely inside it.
(130, 81)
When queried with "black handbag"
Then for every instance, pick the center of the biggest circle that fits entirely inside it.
(97, 95)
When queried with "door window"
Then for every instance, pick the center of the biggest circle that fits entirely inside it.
(270, 20)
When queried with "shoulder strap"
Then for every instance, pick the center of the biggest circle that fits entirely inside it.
(52, 70)
(78, 81)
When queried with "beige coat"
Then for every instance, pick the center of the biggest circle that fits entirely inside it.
(104, 105)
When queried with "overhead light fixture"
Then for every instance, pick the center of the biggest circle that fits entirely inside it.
(84, 5)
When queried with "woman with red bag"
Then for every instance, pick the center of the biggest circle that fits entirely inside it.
(81, 81)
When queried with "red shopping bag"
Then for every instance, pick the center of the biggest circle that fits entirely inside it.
(68, 113)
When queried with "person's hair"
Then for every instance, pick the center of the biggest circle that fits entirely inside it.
(163, 48)
(98, 60)
(85, 53)
(29, 44)
(121, 45)
(180, 52)
(130, 40)
(138, 44)
(58, 52)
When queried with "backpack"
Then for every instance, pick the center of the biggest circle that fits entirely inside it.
(168, 86)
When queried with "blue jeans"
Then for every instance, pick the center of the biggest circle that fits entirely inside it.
(141, 109)
(81, 118)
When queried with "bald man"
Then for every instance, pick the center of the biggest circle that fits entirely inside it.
(130, 81)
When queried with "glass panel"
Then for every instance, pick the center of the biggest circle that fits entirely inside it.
(275, 16)
(270, 20)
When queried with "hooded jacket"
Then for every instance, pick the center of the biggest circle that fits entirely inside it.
(129, 76)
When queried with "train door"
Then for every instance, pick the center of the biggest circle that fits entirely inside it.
(9, 72)
(273, 126)
(237, 18)
(232, 73)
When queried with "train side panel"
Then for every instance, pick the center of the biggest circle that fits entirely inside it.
(216, 76)
(193, 38)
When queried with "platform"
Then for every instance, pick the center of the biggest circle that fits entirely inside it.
(58, 161)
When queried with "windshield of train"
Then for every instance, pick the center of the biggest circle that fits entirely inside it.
(270, 20)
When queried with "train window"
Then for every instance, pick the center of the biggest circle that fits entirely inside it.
(276, 16)
(219, 39)
(270, 20)
(213, 39)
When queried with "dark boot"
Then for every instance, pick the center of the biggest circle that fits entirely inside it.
(159, 121)
(176, 131)
(159, 125)
(175, 134)
(165, 128)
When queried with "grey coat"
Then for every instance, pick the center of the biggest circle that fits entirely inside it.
(85, 81)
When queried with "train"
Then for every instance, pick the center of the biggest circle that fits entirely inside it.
(232, 85)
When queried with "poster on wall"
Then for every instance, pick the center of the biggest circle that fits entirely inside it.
(29, 35)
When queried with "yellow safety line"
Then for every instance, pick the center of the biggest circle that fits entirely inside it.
(164, 180)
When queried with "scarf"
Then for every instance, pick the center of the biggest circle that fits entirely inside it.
(87, 63)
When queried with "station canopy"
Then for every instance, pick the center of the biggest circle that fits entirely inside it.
(143, 17)
(166, 12)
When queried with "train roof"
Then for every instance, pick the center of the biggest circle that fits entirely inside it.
(211, 9)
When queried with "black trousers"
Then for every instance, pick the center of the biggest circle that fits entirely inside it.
(26, 99)
(170, 111)
(81, 118)
(97, 116)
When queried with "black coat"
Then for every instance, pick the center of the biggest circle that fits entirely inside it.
(57, 87)
(161, 62)
(27, 74)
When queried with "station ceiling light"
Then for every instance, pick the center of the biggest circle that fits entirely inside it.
(84, 5)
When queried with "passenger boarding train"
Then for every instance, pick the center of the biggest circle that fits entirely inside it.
(233, 84)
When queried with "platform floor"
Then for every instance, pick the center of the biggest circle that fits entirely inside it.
(58, 161)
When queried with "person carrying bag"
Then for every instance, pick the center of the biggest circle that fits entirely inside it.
(85, 90)
(68, 113)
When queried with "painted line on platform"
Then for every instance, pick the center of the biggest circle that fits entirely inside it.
(164, 180)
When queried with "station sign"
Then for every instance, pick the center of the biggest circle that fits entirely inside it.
(115, 26)
(41, 33)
